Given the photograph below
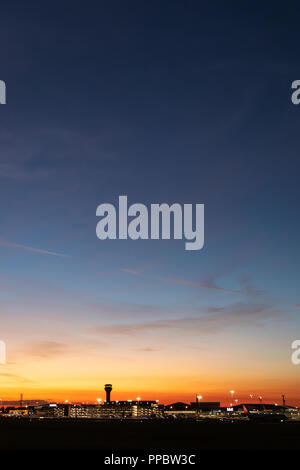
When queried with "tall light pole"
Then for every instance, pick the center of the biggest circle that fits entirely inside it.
(232, 392)
(198, 398)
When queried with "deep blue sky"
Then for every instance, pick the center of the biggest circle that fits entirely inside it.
(167, 101)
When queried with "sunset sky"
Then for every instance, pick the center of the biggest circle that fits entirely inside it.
(163, 102)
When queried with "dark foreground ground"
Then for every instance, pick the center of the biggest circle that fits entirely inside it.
(66, 434)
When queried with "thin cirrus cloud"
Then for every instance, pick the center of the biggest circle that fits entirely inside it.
(211, 284)
(194, 284)
(14, 378)
(8, 244)
(47, 349)
(148, 349)
(214, 320)
(199, 285)
(138, 271)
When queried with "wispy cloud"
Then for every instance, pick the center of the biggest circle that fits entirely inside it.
(212, 320)
(199, 285)
(209, 284)
(8, 244)
(14, 377)
(148, 349)
(137, 271)
(47, 349)
(212, 282)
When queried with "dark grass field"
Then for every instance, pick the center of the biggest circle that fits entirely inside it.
(80, 435)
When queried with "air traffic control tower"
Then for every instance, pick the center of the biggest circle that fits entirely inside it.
(108, 389)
